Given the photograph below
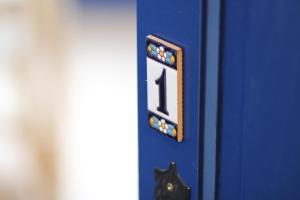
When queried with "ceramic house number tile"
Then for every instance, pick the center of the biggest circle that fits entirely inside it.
(165, 87)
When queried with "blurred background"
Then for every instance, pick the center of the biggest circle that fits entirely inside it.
(68, 100)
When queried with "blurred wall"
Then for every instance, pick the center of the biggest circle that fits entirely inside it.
(116, 3)
(33, 63)
(68, 100)
(100, 144)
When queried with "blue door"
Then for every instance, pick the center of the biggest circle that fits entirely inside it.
(259, 152)
(180, 23)
(241, 100)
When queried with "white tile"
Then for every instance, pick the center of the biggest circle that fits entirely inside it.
(154, 71)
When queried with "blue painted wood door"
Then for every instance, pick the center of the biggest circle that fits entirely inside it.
(259, 137)
(241, 98)
(178, 22)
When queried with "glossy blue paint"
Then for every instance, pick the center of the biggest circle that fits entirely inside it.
(212, 66)
(241, 95)
(180, 23)
(260, 132)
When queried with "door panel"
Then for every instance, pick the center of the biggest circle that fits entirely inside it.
(260, 133)
(178, 22)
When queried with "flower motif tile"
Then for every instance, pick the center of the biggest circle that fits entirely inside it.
(159, 53)
(164, 62)
(162, 126)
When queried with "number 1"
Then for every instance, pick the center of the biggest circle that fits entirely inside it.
(161, 82)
